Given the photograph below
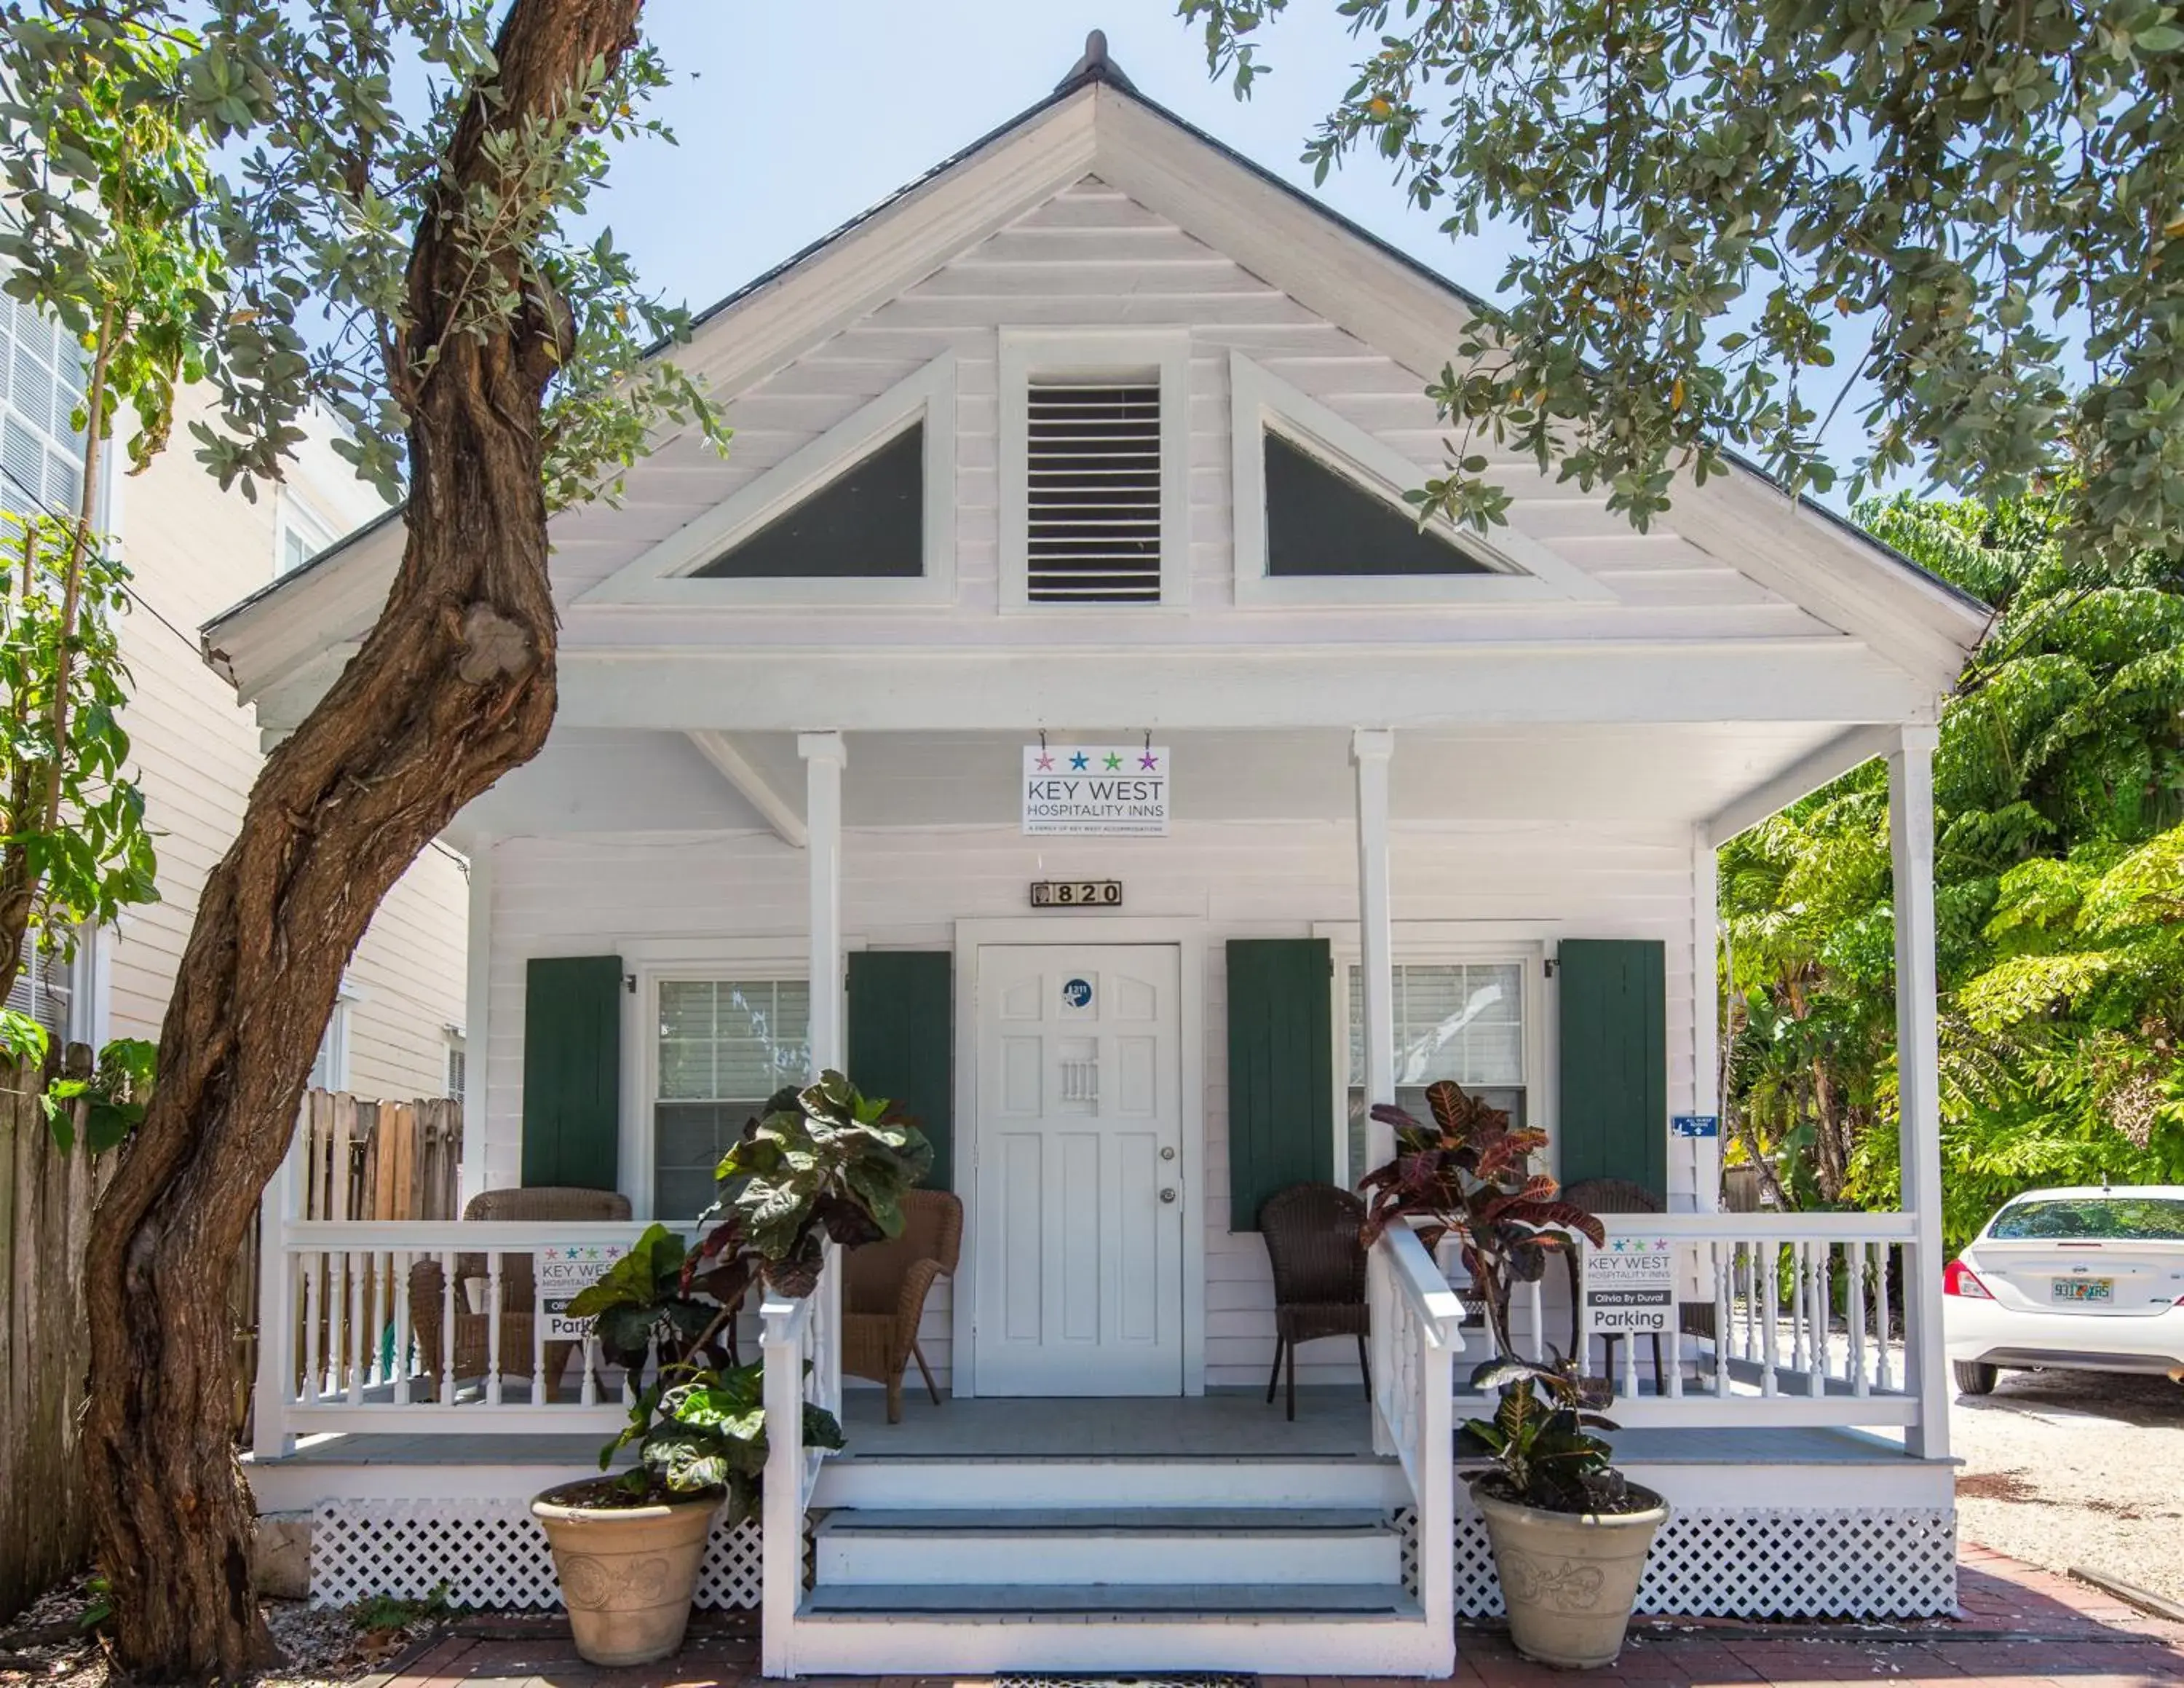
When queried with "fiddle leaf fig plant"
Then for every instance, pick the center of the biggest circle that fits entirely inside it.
(1469, 1174)
(823, 1162)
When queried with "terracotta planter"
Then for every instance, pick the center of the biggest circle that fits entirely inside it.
(627, 1573)
(1569, 1579)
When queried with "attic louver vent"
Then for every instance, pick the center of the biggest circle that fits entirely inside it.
(1094, 501)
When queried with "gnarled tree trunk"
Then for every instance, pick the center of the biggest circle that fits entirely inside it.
(454, 686)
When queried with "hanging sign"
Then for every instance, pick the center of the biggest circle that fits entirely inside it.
(1695, 1125)
(1629, 1286)
(559, 1274)
(1095, 790)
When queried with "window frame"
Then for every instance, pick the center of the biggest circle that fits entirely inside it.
(1093, 353)
(662, 575)
(294, 514)
(743, 963)
(1524, 570)
(1527, 950)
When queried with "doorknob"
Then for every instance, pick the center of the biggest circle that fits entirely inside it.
(1168, 1154)
(1168, 1195)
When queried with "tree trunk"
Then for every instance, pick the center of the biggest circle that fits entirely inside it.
(454, 685)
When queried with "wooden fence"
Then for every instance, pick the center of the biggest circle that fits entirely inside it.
(361, 1160)
(46, 1200)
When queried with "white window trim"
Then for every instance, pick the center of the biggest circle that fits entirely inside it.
(1434, 943)
(334, 1042)
(1102, 352)
(662, 575)
(749, 959)
(293, 514)
(1527, 571)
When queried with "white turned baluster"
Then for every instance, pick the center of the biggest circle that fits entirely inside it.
(1767, 1265)
(492, 1328)
(376, 1361)
(1627, 1389)
(1723, 1313)
(590, 1359)
(1823, 1295)
(355, 1355)
(399, 1265)
(538, 1351)
(1532, 1307)
(1881, 1372)
(446, 1327)
(1854, 1313)
(314, 1379)
(1801, 1307)
(1747, 1273)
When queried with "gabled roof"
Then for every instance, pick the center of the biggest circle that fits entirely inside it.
(1095, 122)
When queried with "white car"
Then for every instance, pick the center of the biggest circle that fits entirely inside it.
(2087, 1280)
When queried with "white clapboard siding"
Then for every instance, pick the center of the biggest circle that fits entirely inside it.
(905, 887)
(1089, 257)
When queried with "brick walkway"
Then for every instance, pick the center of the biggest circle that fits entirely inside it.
(2021, 1628)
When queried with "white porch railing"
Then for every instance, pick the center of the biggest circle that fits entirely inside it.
(1782, 1319)
(803, 1365)
(1416, 1323)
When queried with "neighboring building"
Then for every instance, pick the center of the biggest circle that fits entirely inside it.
(194, 549)
(1097, 435)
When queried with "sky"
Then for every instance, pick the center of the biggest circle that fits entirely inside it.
(792, 118)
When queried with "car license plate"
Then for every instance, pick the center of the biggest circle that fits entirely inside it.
(2085, 1289)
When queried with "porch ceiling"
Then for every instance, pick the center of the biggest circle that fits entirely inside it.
(592, 779)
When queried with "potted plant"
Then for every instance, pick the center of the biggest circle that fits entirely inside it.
(823, 1162)
(1570, 1534)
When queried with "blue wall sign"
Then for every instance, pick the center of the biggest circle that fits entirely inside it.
(1695, 1125)
(1077, 994)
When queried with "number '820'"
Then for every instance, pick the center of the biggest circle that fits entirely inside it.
(1076, 893)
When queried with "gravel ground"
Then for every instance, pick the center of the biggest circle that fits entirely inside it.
(2076, 1469)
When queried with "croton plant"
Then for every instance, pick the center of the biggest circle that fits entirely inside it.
(823, 1162)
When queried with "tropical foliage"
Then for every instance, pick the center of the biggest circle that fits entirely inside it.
(1540, 1439)
(824, 1163)
(1469, 1174)
(2059, 897)
(1732, 218)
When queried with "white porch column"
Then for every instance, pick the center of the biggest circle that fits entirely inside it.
(477, 1008)
(1703, 1168)
(1911, 852)
(1371, 749)
(824, 758)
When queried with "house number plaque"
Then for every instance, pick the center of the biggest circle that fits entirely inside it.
(1077, 893)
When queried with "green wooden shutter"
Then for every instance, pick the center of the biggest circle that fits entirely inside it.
(1281, 1071)
(1614, 1060)
(902, 1041)
(572, 1070)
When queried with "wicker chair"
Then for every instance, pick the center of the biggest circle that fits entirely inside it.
(1314, 1240)
(1606, 1195)
(518, 1299)
(883, 1290)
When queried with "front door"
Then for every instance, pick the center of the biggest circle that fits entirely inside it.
(1079, 1171)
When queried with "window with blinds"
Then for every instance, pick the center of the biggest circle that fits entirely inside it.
(42, 990)
(1093, 492)
(725, 1046)
(1461, 1020)
(41, 383)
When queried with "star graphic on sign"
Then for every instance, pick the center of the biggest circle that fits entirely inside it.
(1080, 760)
(1149, 761)
(1046, 763)
(1114, 762)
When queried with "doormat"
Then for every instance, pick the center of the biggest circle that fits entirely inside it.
(1164, 1681)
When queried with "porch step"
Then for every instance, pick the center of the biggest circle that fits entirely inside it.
(1109, 1548)
(944, 1482)
(1110, 1602)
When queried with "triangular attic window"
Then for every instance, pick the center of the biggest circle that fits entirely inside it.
(868, 524)
(1321, 523)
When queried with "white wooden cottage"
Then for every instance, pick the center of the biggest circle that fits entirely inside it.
(1439, 805)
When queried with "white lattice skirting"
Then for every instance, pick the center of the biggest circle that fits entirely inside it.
(1870, 1563)
(489, 1553)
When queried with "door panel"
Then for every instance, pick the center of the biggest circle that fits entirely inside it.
(1079, 1179)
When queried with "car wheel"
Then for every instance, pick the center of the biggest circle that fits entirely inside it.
(1975, 1377)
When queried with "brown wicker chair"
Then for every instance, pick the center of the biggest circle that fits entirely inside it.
(1315, 1242)
(518, 1299)
(1606, 1195)
(883, 1290)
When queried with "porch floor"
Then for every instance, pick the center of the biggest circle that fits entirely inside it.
(1332, 1422)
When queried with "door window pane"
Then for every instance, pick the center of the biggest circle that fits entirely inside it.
(725, 1045)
